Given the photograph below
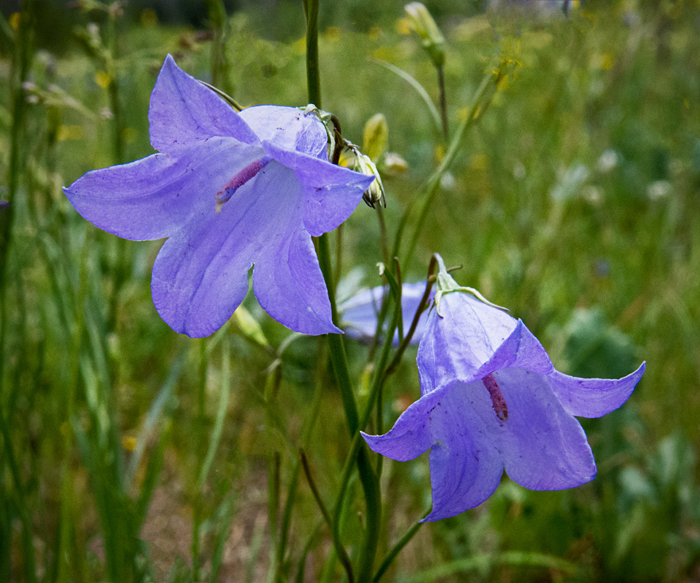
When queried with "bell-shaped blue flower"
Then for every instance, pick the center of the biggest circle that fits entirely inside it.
(358, 314)
(492, 400)
(230, 190)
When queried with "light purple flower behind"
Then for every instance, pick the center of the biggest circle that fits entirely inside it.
(358, 314)
(229, 190)
(492, 400)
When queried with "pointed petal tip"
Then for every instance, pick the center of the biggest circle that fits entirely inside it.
(441, 513)
(369, 439)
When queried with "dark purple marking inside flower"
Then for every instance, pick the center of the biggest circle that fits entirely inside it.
(245, 175)
(497, 400)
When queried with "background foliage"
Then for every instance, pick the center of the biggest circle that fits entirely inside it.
(130, 453)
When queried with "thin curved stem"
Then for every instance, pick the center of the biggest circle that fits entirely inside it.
(430, 187)
(413, 82)
(370, 484)
(414, 324)
(358, 451)
(313, 77)
(340, 549)
(397, 548)
(443, 102)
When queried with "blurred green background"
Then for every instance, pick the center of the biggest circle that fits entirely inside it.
(131, 453)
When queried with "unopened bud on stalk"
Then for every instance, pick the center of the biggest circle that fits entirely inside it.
(422, 22)
(375, 136)
(375, 193)
(393, 164)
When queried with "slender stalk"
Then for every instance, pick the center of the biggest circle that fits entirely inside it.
(383, 239)
(201, 426)
(335, 341)
(373, 513)
(397, 548)
(443, 102)
(370, 483)
(273, 507)
(219, 63)
(338, 254)
(66, 511)
(343, 555)
(434, 114)
(313, 76)
(358, 449)
(414, 324)
(306, 432)
(121, 268)
(430, 187)
(21, 63)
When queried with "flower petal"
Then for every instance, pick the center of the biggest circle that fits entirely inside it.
(521, 349)
(288, 128)
(331, 192)
(465, 465)
(543, 447)
(411, 435)
(465, 322)
(593, 397)
(290, 287)
(199, 277)
(153, 197)
(184, 112)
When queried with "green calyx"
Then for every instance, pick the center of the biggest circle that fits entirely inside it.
(446, 284)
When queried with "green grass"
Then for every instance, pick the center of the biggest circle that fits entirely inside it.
(574, 202)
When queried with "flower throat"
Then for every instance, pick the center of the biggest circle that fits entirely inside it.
(245, 175)
(497, 399)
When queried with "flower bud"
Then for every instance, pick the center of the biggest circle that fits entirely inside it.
(375, 136)
(375, 193)
(422, 22)
(393, 164)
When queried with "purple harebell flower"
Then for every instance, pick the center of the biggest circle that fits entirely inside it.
(492, 400)
(228, 190)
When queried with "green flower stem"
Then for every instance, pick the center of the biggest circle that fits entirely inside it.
(338, 254)
(21, 63)
(342, 553)
(397, 548)
(368, 479)
(335, 341)
(272, 384)
(383, 239)
(307, 549)
(199, 449)
(313, 77)
(434, 114)
(121, 269)
(219, 63)
(370, 483)
(443, 102)
(306, 432)
(430, 187)
(414, 324)
(67, 507)
(359, 449)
